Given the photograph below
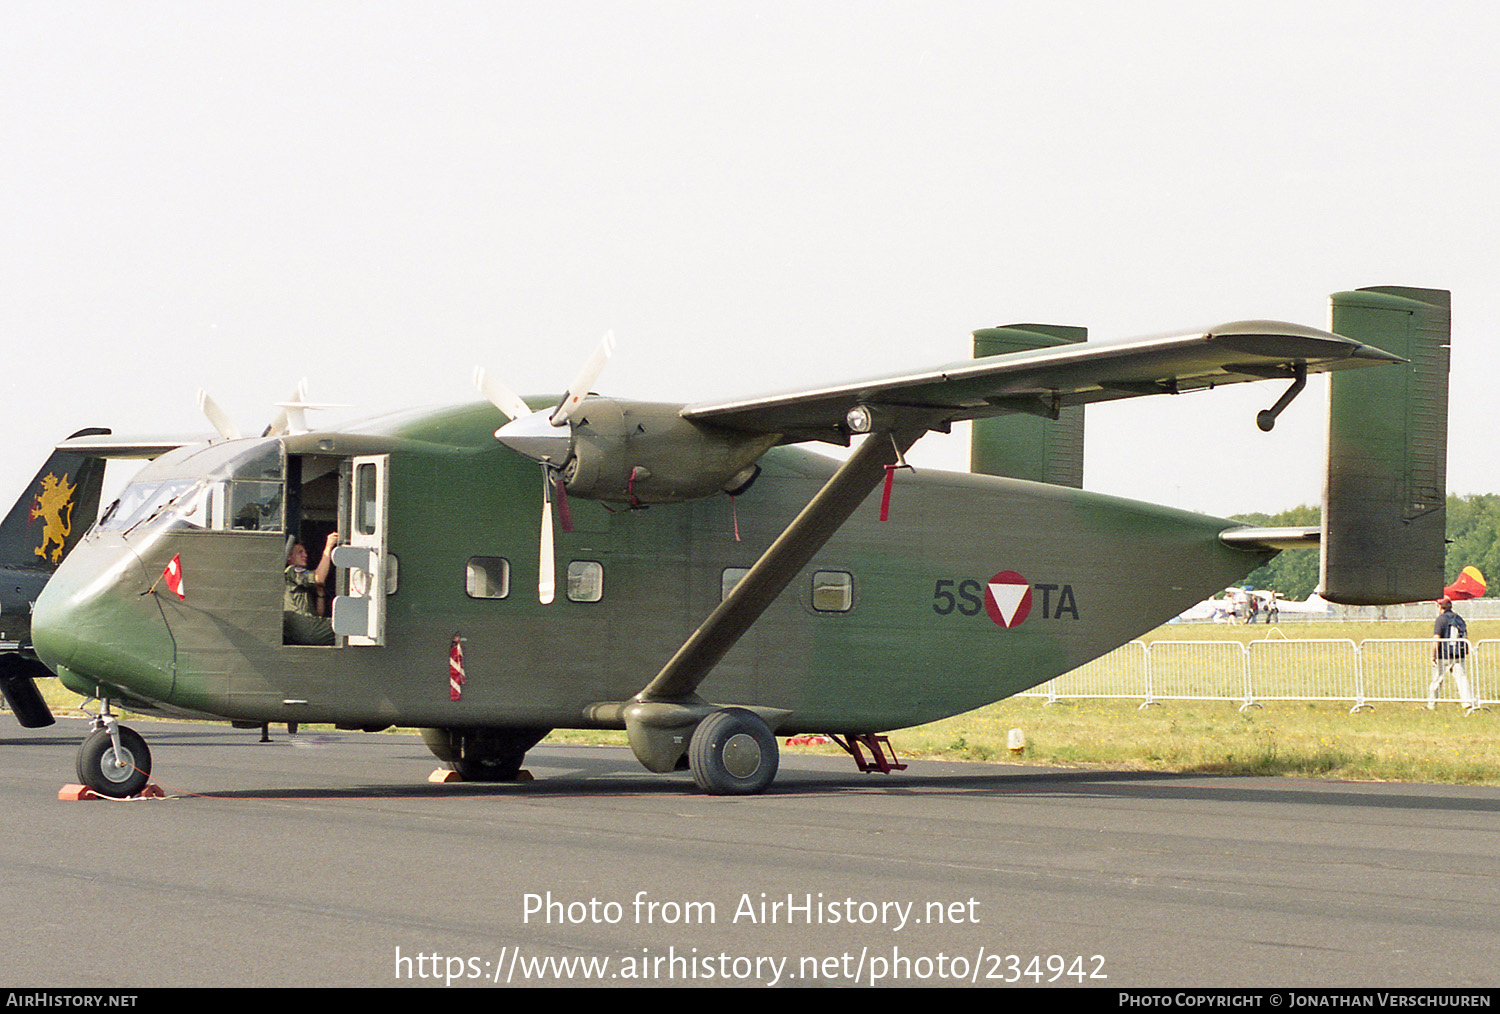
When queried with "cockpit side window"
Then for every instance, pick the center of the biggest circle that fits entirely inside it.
(142, 501)
(265, 463)
(254, 506)
(255, 488)
(242, 494)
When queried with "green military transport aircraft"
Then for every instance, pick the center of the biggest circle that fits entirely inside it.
(711, 585)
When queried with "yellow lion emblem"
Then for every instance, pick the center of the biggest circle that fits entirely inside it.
(54, 505)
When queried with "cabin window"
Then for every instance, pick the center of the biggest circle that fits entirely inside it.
(585, 581)
(366, 499)
(487, 577)
(833, 591)
(731, 577)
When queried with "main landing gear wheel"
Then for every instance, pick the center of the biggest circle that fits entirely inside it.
(732, 753)
(483, 755)
(100, 770)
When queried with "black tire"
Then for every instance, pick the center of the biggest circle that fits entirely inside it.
(733, 753)
(483, 755)
(490, 767)
(98, 770)
(26, 701)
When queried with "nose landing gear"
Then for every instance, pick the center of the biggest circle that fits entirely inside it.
(114, 760)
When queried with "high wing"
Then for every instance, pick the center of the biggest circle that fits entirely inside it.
(110, 446)
(904, 407)
(1042, 381)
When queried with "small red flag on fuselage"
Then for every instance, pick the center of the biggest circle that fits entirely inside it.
(456, 670)
(173, 576)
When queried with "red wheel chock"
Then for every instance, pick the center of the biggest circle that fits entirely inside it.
(812, 739)
(446, 776)
(75, 793)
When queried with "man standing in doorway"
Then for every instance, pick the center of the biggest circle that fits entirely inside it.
(301, 619)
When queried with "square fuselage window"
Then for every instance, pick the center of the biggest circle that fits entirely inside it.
(833, 591)
(487, 577)
(731, 577)
(585, 581)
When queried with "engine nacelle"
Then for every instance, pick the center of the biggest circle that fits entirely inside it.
(646, 453)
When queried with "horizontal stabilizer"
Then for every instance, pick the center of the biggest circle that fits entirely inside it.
(1272, 538)
(18, 676)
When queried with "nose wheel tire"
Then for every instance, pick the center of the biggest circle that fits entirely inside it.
(732, 753)
(100, 770)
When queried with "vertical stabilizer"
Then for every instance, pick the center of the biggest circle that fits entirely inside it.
(1039, 448)
(1384, 501)
(54, 511)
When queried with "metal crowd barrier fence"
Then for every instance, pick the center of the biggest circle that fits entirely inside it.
(1393, 667)
(1304, 670)
(1374, 671)
(1121, 673)
(1197, 671)
(1469, 609)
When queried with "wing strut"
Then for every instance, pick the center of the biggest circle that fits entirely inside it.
(824, 515)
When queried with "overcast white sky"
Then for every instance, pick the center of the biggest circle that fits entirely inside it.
(754, 196)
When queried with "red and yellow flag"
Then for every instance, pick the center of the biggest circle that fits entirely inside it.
(1470, 585)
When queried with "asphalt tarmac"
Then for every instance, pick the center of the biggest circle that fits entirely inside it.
(327, 859)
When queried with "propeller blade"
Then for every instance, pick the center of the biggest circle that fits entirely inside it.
(291, 418)
(217, 416)
(546, 585)
(292, 414)
(507, 401)
(579, 389)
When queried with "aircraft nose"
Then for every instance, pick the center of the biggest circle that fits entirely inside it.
(53, 637)
(92, 626)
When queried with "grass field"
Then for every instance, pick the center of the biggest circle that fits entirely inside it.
(1391, 743)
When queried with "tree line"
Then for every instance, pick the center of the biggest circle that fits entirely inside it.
(1473, 532)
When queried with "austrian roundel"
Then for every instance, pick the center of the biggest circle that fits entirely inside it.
(1007, 598)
